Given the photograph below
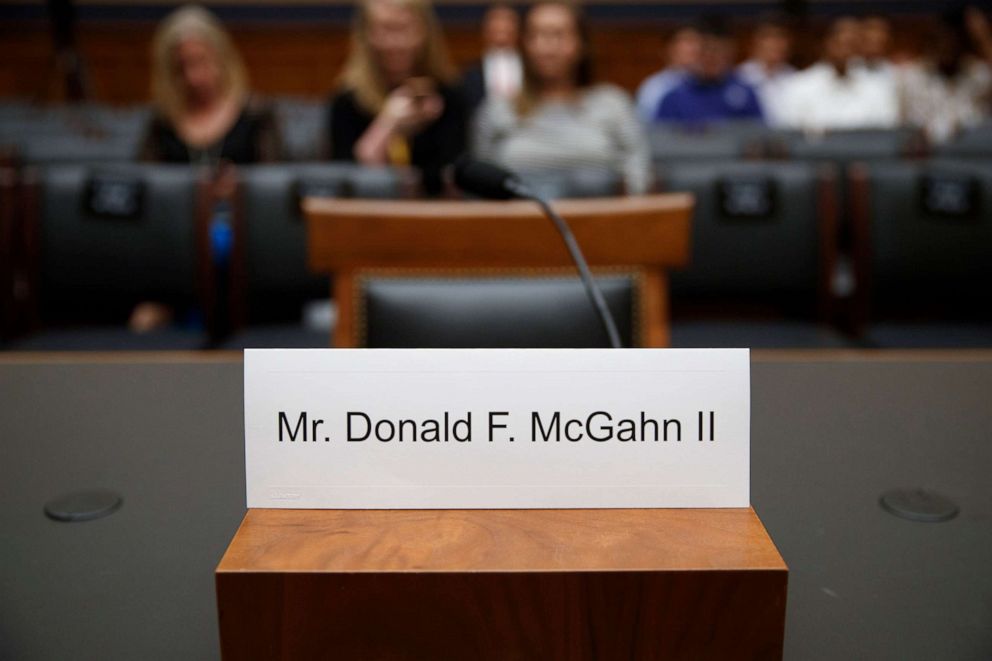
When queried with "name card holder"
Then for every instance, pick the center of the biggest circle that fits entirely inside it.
(602, 573)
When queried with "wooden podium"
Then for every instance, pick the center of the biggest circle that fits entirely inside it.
(502, 584)
(648, 233)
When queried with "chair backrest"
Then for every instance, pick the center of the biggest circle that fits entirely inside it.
(76, 134)
(525, 310)
(717, 142)
(923, 236)
(574, 183)
(111, 236)
(975, 142)
(278, 281)
(761, 230)
(302, 125)
(74, 148)
(846, 146)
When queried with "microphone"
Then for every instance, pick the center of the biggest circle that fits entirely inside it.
(492, 182)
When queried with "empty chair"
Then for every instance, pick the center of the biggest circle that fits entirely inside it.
(718, 142)
(278, 283)
(503, 311)
(71, 147)
(108, 238)
(975, 142)
(844, 147)
(467, 240)
(575, 183)
(76, 134)
(763, 251)
(760, 230)
(923, 246)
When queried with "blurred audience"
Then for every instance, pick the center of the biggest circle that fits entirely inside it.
(204, 111)
(767, 68)
(562, 119)
(500, 71)
(397, 102)
(712, 91)
(876, 43)
(682, 54)
(950, 89)
(838, 92)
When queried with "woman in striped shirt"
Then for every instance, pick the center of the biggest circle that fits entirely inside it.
(562, 120)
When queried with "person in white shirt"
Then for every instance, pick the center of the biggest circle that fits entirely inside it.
(876, 43)
(682, 55)
(875, 51)
(837, 92)
(950, 90)
(767, 70)
(499, 73)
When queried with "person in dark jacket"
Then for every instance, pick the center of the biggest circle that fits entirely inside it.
(397, 103)
(204, 112)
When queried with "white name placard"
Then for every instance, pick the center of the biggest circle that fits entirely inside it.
(508, 428)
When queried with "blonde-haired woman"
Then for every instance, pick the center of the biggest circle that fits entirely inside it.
(397, 104)
(204, 113)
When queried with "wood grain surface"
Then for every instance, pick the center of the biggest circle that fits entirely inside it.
(274, 540)
(500, 584)
(648, 230)
(300, 57)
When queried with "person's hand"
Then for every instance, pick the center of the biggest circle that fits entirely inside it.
(411, 106)
(149, 316)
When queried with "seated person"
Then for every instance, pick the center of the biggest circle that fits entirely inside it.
(500, 72)
(875, 45)
(838, 92)
(200, 89)
(712, 92)
(562, 120)
(950, 89)
(767, 70)
(396, 104)
(682, 55)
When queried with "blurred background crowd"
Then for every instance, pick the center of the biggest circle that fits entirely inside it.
(747, 97)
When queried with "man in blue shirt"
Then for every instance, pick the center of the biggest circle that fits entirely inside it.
(712, 92)
(683, 52)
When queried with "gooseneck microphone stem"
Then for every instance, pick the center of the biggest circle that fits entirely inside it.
(595, 295)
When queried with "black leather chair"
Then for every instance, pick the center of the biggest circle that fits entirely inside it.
(923, 234)
(302, 125)
(75, 134)
(758, 230)
(499, 311)
(843, 147)
(574, 183)
(109, 237)
(975, 142)
(277, 281)
(673, 144)
(763, 251)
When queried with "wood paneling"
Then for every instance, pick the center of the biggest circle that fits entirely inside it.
(304, 59)
(502, 584)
